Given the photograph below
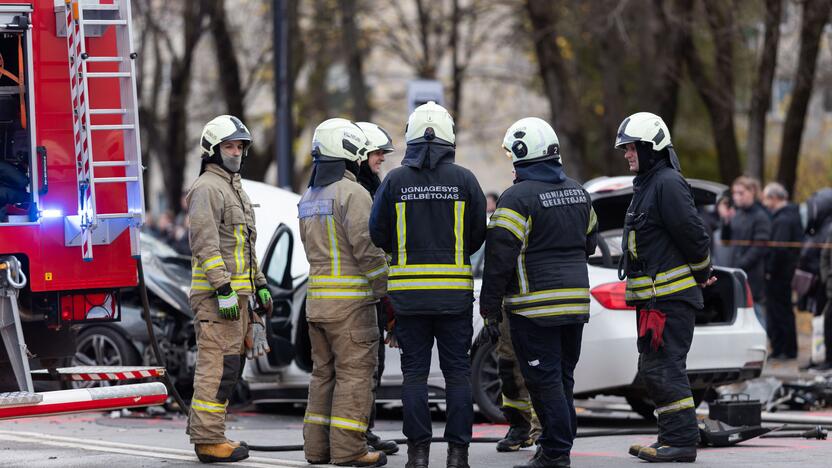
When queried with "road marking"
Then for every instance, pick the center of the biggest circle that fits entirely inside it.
(135, 449)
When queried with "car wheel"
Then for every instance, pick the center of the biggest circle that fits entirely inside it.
(485, 382)
(102, 346)
(644, 406)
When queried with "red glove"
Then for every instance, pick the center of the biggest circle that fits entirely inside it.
(650, 329)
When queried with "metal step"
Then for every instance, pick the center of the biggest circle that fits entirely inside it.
(19, 398)
(102, 59)
(107, 111)
(108, 75)
(115, 180)
(84, 373)
(113, 127)
(89, 399)
(110, 163)
(96, 22)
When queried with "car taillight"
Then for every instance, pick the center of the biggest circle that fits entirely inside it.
(91, 306)
(612, 295)
(749, 298)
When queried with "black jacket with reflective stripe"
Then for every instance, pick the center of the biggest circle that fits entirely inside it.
(429, 221)
(536, 252)
(666, 248)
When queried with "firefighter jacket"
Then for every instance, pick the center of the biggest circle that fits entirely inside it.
(346, 271)
(222, 234)
(664, 243)
(429, 216)
(536, 252)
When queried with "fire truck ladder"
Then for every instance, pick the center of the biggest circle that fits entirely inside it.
(25, 402)
(92, 226)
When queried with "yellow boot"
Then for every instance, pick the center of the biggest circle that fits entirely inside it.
(368, 459)
(224, 452)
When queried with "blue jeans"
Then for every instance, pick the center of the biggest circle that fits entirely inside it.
(453, 335)
(547, 358)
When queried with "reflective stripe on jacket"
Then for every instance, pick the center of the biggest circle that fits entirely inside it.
(536, 252)
(346, 271)
(222, 234)
(430, 221)
(666, 247)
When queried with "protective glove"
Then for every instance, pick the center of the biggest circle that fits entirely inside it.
(390, 339)
(257, 344)
(492, 316)
(264, 298)
(229, 306)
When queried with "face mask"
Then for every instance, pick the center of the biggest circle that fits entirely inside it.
(231, 163)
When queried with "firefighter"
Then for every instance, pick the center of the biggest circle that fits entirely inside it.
(666, 261)
(524, 425)
(536, 253)
(380, 145)
(347, 276)
(429, 215)
(225, 274)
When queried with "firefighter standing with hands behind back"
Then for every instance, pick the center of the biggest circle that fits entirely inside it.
(536, 250)
(225, 273)
(666, 261)
(347, 276)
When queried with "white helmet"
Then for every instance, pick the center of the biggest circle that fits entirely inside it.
(531, 139)
(646, 127)
(430, 122)
(223, 128)
(339, 139)
(379, 139)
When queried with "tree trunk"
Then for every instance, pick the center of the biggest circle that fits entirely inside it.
(815, 16)
(558, 86)
(457, 69)
(717, 93)
(353, 52)
(669, 58)
(177, 119)
(761, 92)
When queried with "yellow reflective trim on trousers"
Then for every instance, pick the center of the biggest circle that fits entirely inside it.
(507, 225)
(212, 263)
(459, 231)
(401, 233)
(553, 310)
(662, 277)
(348, 424)
(701, 265)
(313, 418)
(521, 259)
(631, 243)
(207, 406)
(430, 283)
(236, 285)
(679, 405)
(338, 294)
(593, 220)
(334, 254)
(522, 405)
(377, 272)
(430, 269)
(666, 290)
(546, 295)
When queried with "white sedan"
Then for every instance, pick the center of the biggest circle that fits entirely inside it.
(729, 345)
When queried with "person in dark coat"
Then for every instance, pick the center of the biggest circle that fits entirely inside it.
(780, 265)
(812, 296)
(747, 232)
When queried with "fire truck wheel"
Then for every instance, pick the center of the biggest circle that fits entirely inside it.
(103, 346)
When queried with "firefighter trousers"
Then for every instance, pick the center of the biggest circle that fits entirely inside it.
(665, 374)
(517, 405)
(344, 357)
(382, 324)
(547, 358)
(220, 357)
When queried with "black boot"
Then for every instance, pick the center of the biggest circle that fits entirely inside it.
(635, 448)
(515, 439)
(387, 446)
(666, 453)
(418, 454)
(541, 460)
(457, 456)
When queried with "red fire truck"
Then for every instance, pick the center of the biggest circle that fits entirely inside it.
(71, 198)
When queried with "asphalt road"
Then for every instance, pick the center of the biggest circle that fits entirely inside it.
(101, 440)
